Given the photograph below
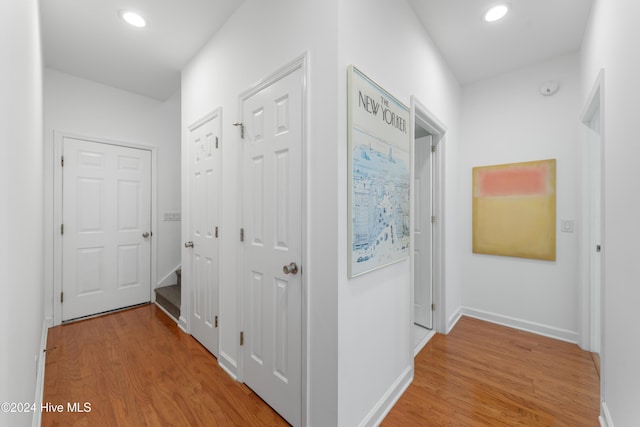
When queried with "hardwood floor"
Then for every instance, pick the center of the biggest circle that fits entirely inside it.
(136, 368)
(483, 374)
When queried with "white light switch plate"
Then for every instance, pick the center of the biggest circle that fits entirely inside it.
(172, 216)
(566, 225)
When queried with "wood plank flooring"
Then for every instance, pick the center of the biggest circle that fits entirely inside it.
(136, 368)
(483, 374)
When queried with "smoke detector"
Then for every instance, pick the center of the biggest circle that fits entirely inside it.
(549, 88)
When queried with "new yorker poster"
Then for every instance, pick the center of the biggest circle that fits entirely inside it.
(514, 210)
(379, 176)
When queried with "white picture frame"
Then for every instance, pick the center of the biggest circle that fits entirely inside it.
(379, 176)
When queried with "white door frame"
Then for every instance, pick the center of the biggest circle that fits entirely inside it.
(300, 62)
(594, 105)
(422, 116)
(58, 144)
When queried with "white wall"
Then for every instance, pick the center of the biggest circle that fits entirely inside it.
(505, 120)
(260, 38)
(21, 190)
(385, 40)
(608, 42)
(373, 311)
(87, 108)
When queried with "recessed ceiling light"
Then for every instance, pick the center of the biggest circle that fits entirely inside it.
(133, 18)
(496, 12)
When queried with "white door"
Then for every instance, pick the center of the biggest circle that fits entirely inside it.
(202, 279)
(272, 313)
(422, 252)
(106, 211)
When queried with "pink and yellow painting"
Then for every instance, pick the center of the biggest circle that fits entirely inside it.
(514, 210)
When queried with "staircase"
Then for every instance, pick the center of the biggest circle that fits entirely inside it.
(168, 297)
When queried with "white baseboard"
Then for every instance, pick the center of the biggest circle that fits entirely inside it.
(605, 416)
(169, 279)
(424, 342)
(228, 365)
(37, 415)
(167, 313)
(182, 323)
(389, 399)
(524, 325)
(453, 319)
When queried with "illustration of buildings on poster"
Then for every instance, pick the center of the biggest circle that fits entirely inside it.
(380, 202)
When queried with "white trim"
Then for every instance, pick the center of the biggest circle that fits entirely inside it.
(605, 417)
(182, 324)
(299, 63)
(420, 115)
(453, 319)
(167, 280)
(523, 325)
(165, 311)
(58, 137)
(594, 100)
(417, 349)
(229, 365)
(588, 333)
(37, 414)
(389, 399)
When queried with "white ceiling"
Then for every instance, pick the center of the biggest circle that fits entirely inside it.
(88, 39)
(533, 31)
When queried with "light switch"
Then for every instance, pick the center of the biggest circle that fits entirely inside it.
(172, 216)
(566, 225)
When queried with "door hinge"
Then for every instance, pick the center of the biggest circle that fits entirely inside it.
(216, 142)
(62, 229)
(242, 234)
(61, 297)
(433, 219)
(62, 161)
(215, 322)
(433, 307)
(241, 129)
(433, 148)
(241, 338)
(216, 231)
(598, 248)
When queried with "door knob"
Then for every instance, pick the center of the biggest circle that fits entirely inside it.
(290, 269)
(145, 234)
(189, 244)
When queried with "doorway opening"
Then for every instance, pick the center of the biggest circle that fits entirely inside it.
(427, 225)
(593, 235)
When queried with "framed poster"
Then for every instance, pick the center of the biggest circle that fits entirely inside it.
(379, 176)
(514, 210)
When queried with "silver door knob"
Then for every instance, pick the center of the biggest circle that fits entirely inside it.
(189, 244)
(290, 269)
(145, 234)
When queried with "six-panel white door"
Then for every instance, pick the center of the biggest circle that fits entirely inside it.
(106, 210)
(422, 251)
(272, 300)
(202, 276)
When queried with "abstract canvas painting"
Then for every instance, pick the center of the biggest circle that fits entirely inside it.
(514, 210)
